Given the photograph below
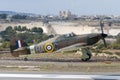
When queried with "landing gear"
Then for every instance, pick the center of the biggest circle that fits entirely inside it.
(86, 59)
(86, 54)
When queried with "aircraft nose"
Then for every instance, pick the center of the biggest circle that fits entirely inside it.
(104, 35)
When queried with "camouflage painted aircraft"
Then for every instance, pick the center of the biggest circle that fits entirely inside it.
(58, 43)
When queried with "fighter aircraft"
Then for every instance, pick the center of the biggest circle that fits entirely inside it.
(59, 42)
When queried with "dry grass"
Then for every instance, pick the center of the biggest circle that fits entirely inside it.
(5, 55)
(53, 55)
(61, 66)
(106, 66)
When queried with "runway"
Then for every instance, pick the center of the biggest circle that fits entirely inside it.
(57, 76)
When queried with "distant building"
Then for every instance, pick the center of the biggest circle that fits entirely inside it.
(67, 14)
(9, 18)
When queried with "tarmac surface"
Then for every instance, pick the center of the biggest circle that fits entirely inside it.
(58, 76)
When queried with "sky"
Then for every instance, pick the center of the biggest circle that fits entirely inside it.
(79, 7)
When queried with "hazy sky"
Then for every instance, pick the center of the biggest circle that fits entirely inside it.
(79, 7)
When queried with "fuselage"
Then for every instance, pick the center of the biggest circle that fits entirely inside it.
(66, 40)
(57, 43)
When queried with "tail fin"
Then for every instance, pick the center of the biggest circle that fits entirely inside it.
(19, 43)
(18, 47)
(15, 44)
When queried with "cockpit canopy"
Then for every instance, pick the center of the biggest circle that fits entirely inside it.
(66, 36)
(70, 35)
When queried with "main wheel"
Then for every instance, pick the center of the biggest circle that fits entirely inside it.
(86, 59)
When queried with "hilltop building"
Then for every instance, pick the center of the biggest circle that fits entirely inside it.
(67, 15)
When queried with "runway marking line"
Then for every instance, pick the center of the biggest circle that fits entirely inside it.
(59, 76)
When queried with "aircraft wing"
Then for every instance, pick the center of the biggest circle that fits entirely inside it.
(20, 51)
(73, 47)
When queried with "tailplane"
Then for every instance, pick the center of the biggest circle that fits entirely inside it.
(18, 47)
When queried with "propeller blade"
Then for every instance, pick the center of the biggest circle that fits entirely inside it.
(102, 34)
(101, 25)
(104, 42)
(103, 38)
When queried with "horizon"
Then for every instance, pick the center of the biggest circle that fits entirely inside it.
(52, 7)
(58, 13)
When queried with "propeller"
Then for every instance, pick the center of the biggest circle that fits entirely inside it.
(103, 35)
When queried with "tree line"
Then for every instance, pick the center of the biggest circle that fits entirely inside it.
(17, 16)
(24, 33)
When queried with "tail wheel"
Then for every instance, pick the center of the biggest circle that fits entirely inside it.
(49, 47)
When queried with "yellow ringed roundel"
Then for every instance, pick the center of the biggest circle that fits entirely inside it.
(49, 47)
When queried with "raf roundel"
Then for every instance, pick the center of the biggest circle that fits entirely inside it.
(49, 47)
